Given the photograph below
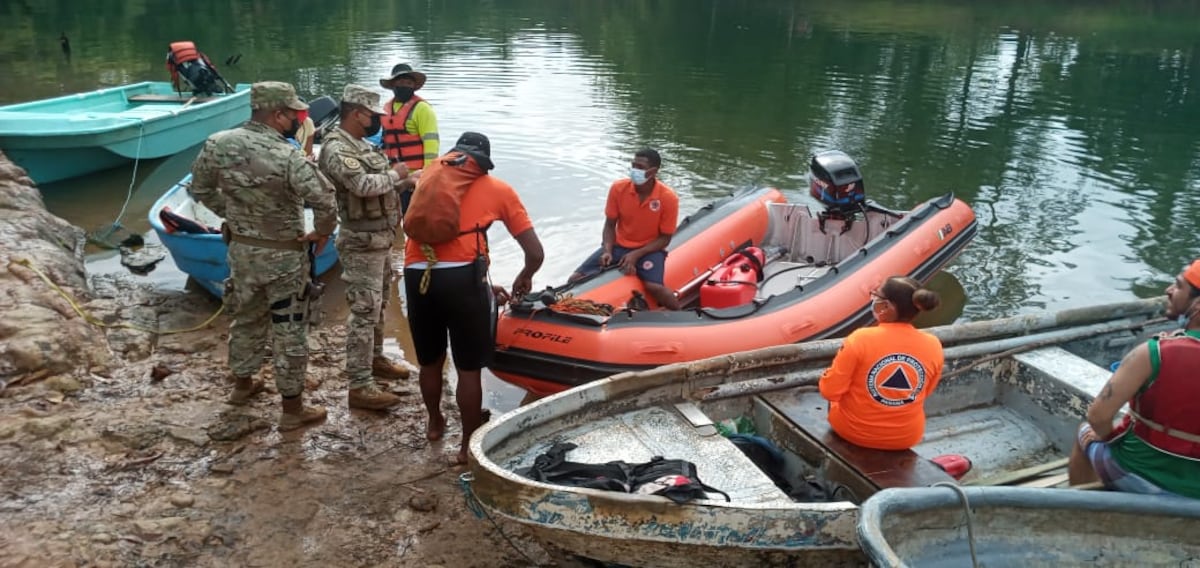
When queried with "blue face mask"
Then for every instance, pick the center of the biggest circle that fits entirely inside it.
(638, 176)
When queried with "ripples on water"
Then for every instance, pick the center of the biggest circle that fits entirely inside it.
(1071, 134)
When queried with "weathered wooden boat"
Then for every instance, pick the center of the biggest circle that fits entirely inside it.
(74, 135)
(751, 271)
(191, 233)
(1016, 526)
(1013, 414)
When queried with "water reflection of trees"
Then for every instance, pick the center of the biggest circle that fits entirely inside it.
(1034, 112)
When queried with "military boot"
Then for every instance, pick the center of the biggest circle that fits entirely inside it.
(244, 389)
(385, 368)
(371, 398)
(295, 414)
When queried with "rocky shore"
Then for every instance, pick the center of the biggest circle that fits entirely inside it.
(116, 447)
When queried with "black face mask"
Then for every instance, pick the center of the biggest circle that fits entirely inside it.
(376, 124)
(403, 93)
(293, 129)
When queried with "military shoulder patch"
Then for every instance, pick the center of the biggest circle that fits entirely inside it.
(351, 163)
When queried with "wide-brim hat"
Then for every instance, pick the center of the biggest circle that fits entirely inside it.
(400, 70)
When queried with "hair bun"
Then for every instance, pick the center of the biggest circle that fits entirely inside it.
(925, 299)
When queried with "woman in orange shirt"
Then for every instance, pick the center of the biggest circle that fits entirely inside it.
(877, 384)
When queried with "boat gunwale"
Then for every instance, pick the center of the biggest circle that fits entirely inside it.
(106, 122)
(919, 499)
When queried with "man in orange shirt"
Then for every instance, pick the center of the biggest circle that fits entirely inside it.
(458, 299)
(640, 218)
(878, 382)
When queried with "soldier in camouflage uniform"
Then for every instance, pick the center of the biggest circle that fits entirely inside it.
(259, 183)
(369, 211)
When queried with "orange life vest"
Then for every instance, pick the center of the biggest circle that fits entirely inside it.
(399, 144)
(182, 52)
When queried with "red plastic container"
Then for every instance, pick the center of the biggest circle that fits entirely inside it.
(735, 281)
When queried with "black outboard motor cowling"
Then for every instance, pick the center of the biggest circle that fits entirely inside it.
(189, 67)
(837, 183)
(324, 113)
(200, 77)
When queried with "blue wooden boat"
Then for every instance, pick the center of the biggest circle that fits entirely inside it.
(74, 135)
(1013, 414)
(202, 255)
(1018, 526)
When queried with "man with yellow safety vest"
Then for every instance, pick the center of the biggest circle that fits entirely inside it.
(410, 133)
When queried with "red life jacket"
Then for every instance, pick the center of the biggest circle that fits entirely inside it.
(1166, 416)
(399, 144)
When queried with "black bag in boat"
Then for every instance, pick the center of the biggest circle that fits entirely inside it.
(674, 479)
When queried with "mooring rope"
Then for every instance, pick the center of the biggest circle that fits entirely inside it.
(962, 497)
(137, 158)
(96, 322)
(473, 505)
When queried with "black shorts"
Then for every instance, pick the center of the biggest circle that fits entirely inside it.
(458, 304)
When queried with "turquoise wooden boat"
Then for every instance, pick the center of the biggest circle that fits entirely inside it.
(74, 135)
(202, 255)
(1018, 526)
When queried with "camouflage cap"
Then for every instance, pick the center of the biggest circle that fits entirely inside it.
(268, 95)
(362, 96)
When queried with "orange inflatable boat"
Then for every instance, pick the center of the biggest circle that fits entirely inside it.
(751, 270)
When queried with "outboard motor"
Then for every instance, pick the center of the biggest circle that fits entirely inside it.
(186, 62)
(324, 113)
(837, 183)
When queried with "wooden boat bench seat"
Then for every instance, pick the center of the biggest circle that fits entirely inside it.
(881, 468)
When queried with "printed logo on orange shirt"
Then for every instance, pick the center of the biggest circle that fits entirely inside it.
(655, 205)
(896, 380)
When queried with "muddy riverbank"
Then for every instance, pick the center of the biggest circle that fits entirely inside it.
(116, 447)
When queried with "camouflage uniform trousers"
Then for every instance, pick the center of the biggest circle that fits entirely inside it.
(367, 271)
(262, 296)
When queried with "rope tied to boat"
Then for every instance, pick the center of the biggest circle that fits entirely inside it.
(137, 158)
(962, 497)
(567, 303)
(476, 507)
(96, 322)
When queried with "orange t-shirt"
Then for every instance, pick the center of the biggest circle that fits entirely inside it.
(878, 382)
(488, 199)
(641, 221)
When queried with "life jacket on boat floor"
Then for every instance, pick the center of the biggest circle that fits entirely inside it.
(735, 281)
(176, 223)
(184, 60)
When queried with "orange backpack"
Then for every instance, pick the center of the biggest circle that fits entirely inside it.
(433, 214)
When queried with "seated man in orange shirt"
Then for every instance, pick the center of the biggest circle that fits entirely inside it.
(640, 218)
(878, 382)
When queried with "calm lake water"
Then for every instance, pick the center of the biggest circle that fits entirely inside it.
(1070, 127)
